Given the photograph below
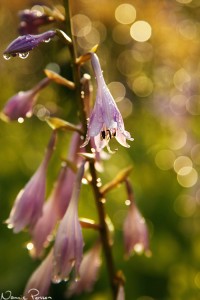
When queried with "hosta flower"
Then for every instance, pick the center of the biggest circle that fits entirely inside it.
(41, 232)
(53, 211)
(31, 20)
(105, 120)
(25, 43)
(40, 281)
(21, 105)
(68, 246)
(88, 272)
(68, 177)
(27, 208)
(57, 204)
(134, 228)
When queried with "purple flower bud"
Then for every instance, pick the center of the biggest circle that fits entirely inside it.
(25, 43)
(21, 104)
(105, 121)
(40, 280)
(88, 272)
(28, 204)
(68, 246)
(134, 229)
(31, 20)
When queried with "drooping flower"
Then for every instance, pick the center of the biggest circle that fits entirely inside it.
(105, 121)
(25, 43)
(53, 210)
(31, 20)
(27, 208)
(57, 203)
(88, 272)
(134, 229)
(68, 248)
(21, 104)
(40, 281)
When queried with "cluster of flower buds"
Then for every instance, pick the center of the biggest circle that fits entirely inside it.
(60, 210)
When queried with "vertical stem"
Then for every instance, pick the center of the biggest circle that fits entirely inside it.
(75, 66)
(104, 234)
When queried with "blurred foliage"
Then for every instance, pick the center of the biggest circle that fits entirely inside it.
(159, 98)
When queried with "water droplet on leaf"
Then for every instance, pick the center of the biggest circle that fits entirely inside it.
(7, 56)
(24, 55)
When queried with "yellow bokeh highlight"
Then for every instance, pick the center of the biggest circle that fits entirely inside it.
(182, 162)
(142, 86)
(125, 13)
(141, 31)
(165, 159)
(187, 177)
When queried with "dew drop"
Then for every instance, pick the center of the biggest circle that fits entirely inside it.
(20, 120)
(10, 226)
(56, 279)
(29, 246)
(66, 279)
(47, 40)
(24, 55)
(7, 56)
(77, 278)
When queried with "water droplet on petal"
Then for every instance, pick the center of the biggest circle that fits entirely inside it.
(20, 120)
(10, 226)
(29, 246)
(77, 278)
(7, 56)
(56, 279)
(24, 55)
(66, 279)
(47, 40)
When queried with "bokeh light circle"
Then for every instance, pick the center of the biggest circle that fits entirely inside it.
(141, 31)
(125, 13)
(164, 159)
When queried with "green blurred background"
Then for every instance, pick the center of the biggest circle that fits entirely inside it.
(149, 51)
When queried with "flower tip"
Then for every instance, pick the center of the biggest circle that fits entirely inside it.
(94, 49)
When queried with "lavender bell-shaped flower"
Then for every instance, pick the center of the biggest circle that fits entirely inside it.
(134, 228)
(58, 200)
(88, 272)
(21, 104)
(57, 204)
(68, 248)
(40, 281)
(25, 43)
(28, 205)
(41, 232)
(105, 121)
